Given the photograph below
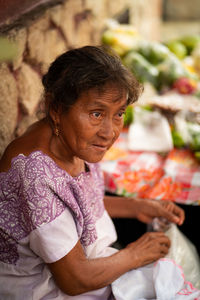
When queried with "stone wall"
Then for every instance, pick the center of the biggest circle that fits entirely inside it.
(69, 24)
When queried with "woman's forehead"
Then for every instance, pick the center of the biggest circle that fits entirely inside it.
(110, 93)
(108, 100)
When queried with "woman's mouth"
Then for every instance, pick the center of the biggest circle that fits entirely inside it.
(100, 147)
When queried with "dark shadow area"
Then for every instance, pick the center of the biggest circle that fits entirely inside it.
(191, 225)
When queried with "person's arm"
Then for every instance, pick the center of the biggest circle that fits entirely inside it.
(120, 207)
(144, 210)
(76, 274)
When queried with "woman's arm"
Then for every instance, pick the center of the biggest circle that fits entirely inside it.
(76, 274)
(120, 207)
(144, 210)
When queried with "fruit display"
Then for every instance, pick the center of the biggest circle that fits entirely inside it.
(164, 65)
(186, 131)
(185, 85)
(143, 69)
(172, 69)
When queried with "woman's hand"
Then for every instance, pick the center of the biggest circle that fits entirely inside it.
(146, 210)
(148, 248)
(76, 274)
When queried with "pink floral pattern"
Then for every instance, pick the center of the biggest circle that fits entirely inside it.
(35, 191)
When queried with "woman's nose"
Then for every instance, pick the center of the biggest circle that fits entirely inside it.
(107, 130)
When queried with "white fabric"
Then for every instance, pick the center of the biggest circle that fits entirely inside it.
(52, 241)
(106, 236)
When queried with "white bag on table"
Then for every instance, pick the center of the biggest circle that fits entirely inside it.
(149, 132)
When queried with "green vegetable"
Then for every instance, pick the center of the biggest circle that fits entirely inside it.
(142, 69)
(108, 37)
(177, 48)
(128, 117)
(197, 154)
(190, 41)
(170, 70)
(195, 145)
(154, 52)
(194, 131)
(147, 107)
(177, 139)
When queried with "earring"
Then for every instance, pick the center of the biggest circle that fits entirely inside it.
(56, 130)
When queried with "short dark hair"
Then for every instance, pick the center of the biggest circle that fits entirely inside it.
(85, 68)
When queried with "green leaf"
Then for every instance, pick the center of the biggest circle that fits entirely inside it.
(177, 139)
(128, 117)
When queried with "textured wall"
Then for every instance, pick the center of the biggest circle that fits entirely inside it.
(69, 24)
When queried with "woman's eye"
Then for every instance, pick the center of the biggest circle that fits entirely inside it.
(96, 115)
(120, 114)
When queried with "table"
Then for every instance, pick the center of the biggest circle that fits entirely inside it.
(173, 176)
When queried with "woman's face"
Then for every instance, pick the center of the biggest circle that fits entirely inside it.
(92, 124)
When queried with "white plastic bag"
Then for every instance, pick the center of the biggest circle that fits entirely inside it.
(184, 253)
(182, 250)
(149, 132)
(163, 280)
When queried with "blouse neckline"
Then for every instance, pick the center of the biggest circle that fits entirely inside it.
(81, 174)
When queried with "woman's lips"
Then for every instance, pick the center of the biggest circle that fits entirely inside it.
(101, 147)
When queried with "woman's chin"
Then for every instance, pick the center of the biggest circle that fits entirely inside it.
(94, 158)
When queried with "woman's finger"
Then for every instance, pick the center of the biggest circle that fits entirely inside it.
(180, 213)
(174, 213)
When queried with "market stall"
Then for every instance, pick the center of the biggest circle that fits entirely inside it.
(157, 154)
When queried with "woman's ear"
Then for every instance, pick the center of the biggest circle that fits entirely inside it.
(55, 121)
(54, 116)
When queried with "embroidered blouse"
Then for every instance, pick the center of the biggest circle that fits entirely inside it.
(44, 211)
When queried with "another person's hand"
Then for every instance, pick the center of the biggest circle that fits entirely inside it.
(147, 210)
(148, 248)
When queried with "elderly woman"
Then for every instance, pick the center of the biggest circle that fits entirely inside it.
(55, 227)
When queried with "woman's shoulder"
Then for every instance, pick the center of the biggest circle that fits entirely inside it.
(34, 163)
(12, 151)
(23, 145)
(16, 148)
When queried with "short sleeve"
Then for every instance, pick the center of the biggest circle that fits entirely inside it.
(56, 239)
